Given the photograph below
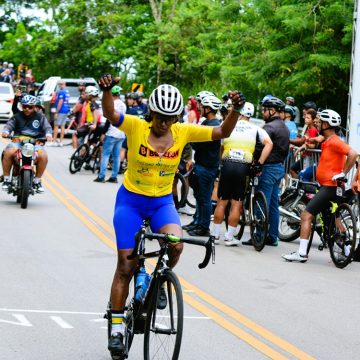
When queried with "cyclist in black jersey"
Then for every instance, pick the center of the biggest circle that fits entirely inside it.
(29, 124)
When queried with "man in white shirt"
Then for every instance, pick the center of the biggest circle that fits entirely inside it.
(112, 142)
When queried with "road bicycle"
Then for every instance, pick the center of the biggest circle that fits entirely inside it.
(337, 229)
(89, 154)
(162, 328)
(255, 213)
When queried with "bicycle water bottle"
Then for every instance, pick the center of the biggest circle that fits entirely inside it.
(142, 284)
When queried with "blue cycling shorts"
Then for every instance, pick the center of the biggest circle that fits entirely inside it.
(131, 209)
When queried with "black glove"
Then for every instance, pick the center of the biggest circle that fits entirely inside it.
(257, 168)
(107, 82)
(238, 99)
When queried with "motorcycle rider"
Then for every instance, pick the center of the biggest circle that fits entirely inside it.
(27, 123)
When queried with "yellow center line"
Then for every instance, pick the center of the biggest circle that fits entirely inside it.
(251, 340)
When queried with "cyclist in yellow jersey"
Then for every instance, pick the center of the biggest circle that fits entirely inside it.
(154, 153)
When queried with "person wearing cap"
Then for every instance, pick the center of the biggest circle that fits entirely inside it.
(291, 102)
(62, 110)
(113, 140)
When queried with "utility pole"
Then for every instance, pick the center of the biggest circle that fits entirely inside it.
(353, 117)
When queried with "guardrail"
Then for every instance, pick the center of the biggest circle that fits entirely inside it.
(311, 159)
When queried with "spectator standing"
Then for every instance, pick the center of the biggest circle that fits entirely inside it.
(193, 115)
(112, 141)
(273, 168)
(141, 103)
(6, 75)
(303, 143)
(206, 168)
(291, 102)
(62, 110)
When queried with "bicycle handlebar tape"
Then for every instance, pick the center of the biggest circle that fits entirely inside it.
(209, 246)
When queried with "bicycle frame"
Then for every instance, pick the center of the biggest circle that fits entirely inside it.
(136, 313)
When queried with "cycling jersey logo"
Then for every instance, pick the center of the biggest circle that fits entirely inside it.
(146, 152)
(36, 124)
(163, 173)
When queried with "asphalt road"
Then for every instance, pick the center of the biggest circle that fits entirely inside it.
(57, 260)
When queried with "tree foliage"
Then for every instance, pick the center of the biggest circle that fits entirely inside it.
(284, 47)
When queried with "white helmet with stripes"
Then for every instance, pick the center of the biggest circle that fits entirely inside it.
(212, 102)
(167, 100)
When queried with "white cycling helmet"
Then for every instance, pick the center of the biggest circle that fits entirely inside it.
(92, 90)
(247, 110)
(200, 95)
(28, 100)
(331, 117)
(212, 102)
(167, 100)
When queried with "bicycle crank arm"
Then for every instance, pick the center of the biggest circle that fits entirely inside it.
(288, 214)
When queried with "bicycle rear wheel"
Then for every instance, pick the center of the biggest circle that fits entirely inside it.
(77, 158)
(342, 235)
(259, 221)
(163, 329)
(182, 190)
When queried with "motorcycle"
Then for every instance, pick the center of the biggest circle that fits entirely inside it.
(292, 203)
(22, 172)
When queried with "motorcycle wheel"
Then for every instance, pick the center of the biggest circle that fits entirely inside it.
(25, 188)
(289, 229)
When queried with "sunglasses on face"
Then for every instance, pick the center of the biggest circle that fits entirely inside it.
(27, 106)
(166, 119)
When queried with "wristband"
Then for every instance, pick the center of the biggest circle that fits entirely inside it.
(236, 109)
(120, 120)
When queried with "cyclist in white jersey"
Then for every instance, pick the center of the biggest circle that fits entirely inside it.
(237, 156)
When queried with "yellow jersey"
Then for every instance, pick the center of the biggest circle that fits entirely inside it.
(149, 172)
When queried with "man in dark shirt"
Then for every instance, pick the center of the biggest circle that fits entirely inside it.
(206, 168)
(273, 168)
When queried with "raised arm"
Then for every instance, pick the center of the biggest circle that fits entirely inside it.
(106, 82)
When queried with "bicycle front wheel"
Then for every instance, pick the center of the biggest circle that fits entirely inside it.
(259, 221)
(164, 327)
(78, 158)
(342, 235)
(96, 160)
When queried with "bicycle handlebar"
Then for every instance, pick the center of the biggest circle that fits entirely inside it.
(173, 239)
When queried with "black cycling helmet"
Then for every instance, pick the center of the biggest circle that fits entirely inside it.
(290, 110)
(310, 105)
(273, 102)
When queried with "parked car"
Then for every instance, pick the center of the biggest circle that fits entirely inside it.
(6, 100)
(50, 86)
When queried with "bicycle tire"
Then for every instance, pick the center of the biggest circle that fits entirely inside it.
(78, 158)
(289, 229)
(96, 159)
(183, 186)
(259, 221)
(342, 244)
(164, 323)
